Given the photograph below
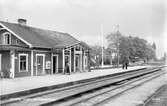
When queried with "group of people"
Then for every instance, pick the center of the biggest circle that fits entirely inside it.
(125, 63)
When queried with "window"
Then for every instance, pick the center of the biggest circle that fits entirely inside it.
(17, 41)
(23, 62)
(6, 38)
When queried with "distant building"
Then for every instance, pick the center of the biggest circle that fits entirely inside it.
(29, 51)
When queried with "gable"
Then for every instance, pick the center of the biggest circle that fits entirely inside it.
(13, 39)
(6, 28)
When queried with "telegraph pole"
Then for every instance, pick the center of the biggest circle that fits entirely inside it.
(117, 45)
(102, 62)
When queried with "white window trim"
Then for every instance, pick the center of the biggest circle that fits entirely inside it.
(56, 64)
(22, 54)
(43, 63)
(3, 38)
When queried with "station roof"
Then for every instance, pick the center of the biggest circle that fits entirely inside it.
(41, 37)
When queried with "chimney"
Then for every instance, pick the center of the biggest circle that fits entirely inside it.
(22, 21)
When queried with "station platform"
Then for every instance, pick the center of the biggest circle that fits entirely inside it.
(22, 84)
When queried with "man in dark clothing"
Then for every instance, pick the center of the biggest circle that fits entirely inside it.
(67, 68)
(125, 63)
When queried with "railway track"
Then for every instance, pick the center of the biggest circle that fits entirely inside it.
(106, 96)
(103, 96)
(159, 98)
(73, 95)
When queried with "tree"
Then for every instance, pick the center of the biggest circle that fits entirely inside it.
(113, 40)
(133, 48)
(124, 48)
(150, 52)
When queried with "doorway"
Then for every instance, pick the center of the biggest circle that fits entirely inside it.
(40, 62)
(67, 62)
(67, 59)
(77, 63)
(55, 64)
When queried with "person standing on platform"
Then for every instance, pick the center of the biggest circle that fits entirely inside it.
(125, 63)
(68, 69)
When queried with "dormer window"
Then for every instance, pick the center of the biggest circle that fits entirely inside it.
(6, 38)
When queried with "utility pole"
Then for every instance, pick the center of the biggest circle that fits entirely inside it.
(102, 51)
(117, 45)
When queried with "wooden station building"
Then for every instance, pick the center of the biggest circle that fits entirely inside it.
(29, 51)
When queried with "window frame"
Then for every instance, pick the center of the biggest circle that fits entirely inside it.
(17, 42)
(4, 38)
(21, 54)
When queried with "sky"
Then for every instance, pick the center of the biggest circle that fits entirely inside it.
(87, 20)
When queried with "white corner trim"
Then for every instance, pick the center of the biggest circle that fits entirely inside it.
(12, 59)
(70, 60)
(23, 54)
(63, 58)
(16, 35)
(74, 60)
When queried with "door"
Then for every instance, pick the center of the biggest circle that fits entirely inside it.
(55, 64)
(67, 62)
(67, 59)
(40, 64)
(77, 63)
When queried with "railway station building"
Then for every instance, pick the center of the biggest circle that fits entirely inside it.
(29, 51)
